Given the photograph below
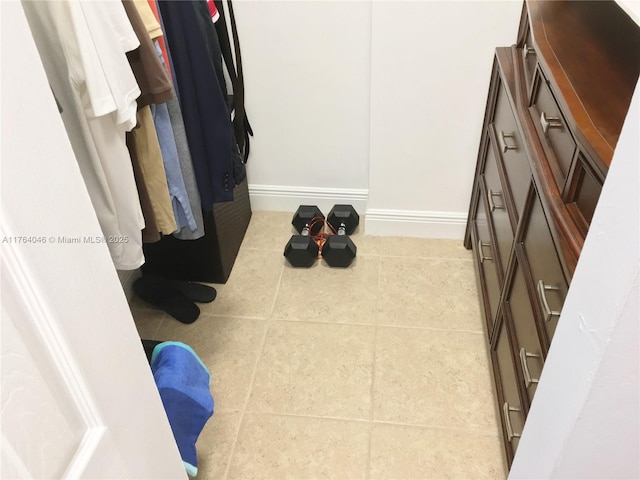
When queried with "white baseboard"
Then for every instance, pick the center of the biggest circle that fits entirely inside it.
(278, 198)
(412, 223)
(380, 222)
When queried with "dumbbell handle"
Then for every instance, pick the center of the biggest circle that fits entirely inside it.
(319, 241)
(342, 229)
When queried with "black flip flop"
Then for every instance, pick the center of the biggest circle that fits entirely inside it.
(166, 298)
(195, 291)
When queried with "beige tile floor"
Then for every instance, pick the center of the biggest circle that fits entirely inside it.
(375, 371)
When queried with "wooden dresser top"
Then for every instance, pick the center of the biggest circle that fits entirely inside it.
(591, 53)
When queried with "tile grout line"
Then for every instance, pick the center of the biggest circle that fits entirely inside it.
(384, 325)
(463, 430)
(431, 257)
(277, 292)
(315, 417)
(160, 324)
(373, 375)
(437, 427)
(236, 317)
(268, 323)
(435, 329)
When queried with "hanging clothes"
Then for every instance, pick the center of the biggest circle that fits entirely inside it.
(161, 43)
(152, 78)
(151, 231)
(143, 141)
(175, 169)
(213, 11)
(179, 134)
(148, 17)
(177, 190)
(194, 60)
(82, 46)
(146, 155)
(188, 173)
(204, 107)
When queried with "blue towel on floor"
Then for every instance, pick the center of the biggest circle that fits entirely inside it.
(183, 383)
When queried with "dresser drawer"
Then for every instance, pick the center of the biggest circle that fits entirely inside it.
(587, 192)
(511, 409)
(527, 348)
(482, 241)
(529, 59)
(552, 129)
(494, 192)
(510, 148)
(583, 194)
(546, 270)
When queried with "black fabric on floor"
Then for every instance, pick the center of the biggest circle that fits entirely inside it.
(194, 291)
(148, 346)
(161, 295)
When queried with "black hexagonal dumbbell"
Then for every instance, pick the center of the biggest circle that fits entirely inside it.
(339, 250)
(304, 215)
(301, 250)
(344, 215)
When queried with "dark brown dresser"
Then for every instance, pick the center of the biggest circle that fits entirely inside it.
(557, 101)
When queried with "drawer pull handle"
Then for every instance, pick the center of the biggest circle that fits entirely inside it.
(507, 420)
(542, 295)
(481, 253)
(528, 380)
(492, 205)
(549, 122)
(504, 146)
(527, 50)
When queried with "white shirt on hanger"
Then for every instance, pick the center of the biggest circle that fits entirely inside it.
(81, 45)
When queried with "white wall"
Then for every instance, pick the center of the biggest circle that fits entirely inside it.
(632, 7)
(431, 64)
(585, 421)
(307, 76)
(378, 104)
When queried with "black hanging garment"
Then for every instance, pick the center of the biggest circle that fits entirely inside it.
(202, 97)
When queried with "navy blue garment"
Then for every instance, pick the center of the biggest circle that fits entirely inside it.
(207, 27)
(207, 118)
